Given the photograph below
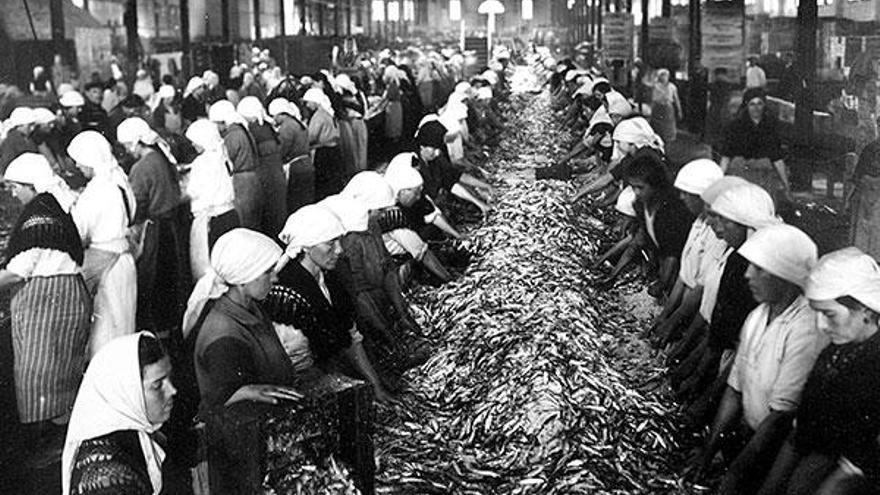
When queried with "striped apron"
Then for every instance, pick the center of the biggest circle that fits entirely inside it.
(50, 333)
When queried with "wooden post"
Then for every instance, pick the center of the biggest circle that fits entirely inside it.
(56, 18)
(302, 17)
(805, 68)
(224, 20)
(599, 9)
(184, 38)
(130, 20)
(257, 34)
(643, 38)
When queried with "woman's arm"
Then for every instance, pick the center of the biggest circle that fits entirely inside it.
(779, 165)
(466, 195)
(358, 359)
(8, 279)
(441, 223)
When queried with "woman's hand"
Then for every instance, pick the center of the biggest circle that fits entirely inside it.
(267, 394)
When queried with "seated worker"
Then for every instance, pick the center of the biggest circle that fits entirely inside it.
(414, 209)
(778, 346)
(392, 338)
(375, 192)
(309, 296)
(439, 174)
(667, 220)
(834, 446)
(630, 137)
(700, 248)
(125, 397)
(633, 237)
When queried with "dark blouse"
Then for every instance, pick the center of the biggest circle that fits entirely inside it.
(268, 147)
(43, 224)
(242, 148)
(732, 305)
(439, 174)
(745, 139)
(156, 186)
(839, 412)
(112, 464)
(193, 108)
(672, 224)
(365, 264)
(236, 346)
(297, 300)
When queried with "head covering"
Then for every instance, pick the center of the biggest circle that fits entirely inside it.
(637, 131)
(280, 106)
(401, 175)
(747, 204)
(696, 176)
(353, 213)
(782, 250)
(432, 134)
(71, 99)
(463, 88)
(454, 111)
(43, 116)
(136, 130)
(846, 272)
(344, 82)
(20, 116)
(29, 168)
(625, 201)
(309, 226)
(252, 110)
(194, 83)
(617, 104)
(484, 93)
(719, 186)
(205, 134)
(64, 88)
(224, 112)
(319, 98)
(111, 398)
(752, 93)
(91, 149)
(238, 257)
(370, 188)
(166, 91)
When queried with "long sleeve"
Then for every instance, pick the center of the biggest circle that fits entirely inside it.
(230, 366)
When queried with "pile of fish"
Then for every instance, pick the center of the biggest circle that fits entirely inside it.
(535, 383)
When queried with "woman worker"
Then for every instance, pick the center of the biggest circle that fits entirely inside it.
(103, 214)
(753, 149)
(112, 443)
(400, 240)
(293, 134)
(156, 184)
(211, 194)
(369, 275)
(309, 296)
(834, 446)
(52, 309)
(238, 357)
(324, 142)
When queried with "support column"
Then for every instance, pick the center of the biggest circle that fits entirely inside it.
(805, 68)
(224, 20)
(257, 34)
(643, 37)
(56, 18)
(186, 60)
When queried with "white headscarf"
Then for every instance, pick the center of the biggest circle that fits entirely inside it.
(309, 226)
(34, 169)
(617, 104)
(111, 398)
(92, 149)
(71, 99)
(20, 116)
(136, 130)
(194, 83)
(318, 97)
(370, 188)
(747, 204)
(223, 112)
(782, 250)
(697, 176)
(637, 131)
(484, 93)
(719, 186)
(846, 272)
(238, 257)
(210, 184)
(282, 105)
(401, 175)
(205, 134)
(43, 116)
(251, 109)
(353, 213)
(166, 91)
(344, 82)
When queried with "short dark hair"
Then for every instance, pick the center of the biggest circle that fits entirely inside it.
(647, 167)
(133, 101)
(150, 351)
